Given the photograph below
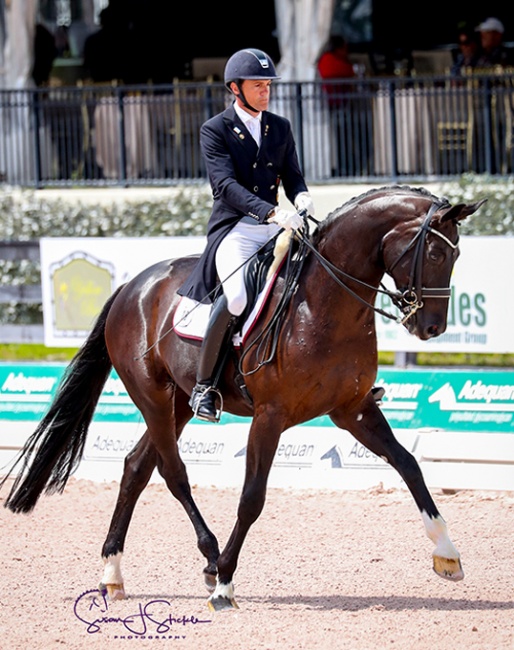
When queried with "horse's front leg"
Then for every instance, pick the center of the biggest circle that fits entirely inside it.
(369, 427)
(262, 445)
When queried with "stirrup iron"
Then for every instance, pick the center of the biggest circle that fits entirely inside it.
(196, 401)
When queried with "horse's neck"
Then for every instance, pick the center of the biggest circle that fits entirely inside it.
(354, 250)
(329, 302)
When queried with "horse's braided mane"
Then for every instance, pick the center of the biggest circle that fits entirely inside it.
(421, 191)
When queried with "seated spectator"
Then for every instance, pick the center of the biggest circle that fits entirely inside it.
(469, 52)
(346, 109)
(494, 51)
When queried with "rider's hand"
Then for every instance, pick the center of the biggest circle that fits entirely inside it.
(303, 201)
(287, 219)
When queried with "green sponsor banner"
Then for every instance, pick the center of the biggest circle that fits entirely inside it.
(26, 391)
(459, 400)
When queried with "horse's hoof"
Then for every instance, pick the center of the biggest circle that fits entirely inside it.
(210, 581)
(112, 591)
(222, 603)
(448, 568)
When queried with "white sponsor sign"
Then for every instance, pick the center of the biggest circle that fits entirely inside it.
(78, 274)
(307, 457)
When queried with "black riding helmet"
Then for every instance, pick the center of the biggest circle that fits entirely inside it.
(248, 64)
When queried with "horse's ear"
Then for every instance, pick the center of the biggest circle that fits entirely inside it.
(460, 211)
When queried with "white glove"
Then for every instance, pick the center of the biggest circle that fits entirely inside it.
(287, 219)
(303, 201)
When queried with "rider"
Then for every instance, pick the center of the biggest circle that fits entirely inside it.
(248, 152)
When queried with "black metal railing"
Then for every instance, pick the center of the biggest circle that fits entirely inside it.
(370, 129)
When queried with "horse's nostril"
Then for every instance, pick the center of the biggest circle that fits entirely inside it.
(432, 331)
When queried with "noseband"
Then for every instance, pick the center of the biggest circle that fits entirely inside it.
(410, 300)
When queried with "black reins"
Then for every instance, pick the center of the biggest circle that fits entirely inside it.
(291, 281)
(266, 341)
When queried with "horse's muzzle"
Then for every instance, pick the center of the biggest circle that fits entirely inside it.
(418, 326)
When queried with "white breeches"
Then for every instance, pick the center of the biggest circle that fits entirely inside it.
(237, 247)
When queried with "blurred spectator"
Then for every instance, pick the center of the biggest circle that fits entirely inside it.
(468, 53)
(45, 53)
(347, 110)
(105, 51)
(335, 64)
(494, 51)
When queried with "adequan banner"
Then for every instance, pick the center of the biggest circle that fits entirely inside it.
(459, 400)
(79, 274)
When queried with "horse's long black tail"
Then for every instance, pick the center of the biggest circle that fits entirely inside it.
(55, 448)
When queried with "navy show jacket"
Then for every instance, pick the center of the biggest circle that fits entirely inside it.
(245, 180)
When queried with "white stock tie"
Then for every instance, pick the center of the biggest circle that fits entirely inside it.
(254, 126)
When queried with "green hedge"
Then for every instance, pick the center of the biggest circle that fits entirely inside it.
(496, 216)
(24, 215)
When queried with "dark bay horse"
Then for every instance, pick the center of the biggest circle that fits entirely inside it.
(325, 363)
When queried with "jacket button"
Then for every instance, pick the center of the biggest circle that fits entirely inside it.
(272, 187)
(256, 188)
(255, 165)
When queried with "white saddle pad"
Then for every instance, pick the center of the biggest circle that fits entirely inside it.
(191, 317)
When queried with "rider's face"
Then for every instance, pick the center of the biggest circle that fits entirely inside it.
(256, 92)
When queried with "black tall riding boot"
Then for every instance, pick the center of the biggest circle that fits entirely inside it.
(203, 397)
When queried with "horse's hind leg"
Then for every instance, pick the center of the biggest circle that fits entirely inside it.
(139, 465)
(164, 428)
(371, 429)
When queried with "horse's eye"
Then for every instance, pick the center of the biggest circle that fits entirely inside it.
(436, 255)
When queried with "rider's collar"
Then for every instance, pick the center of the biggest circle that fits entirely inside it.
(244, 115)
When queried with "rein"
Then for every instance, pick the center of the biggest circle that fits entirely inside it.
(408, 301)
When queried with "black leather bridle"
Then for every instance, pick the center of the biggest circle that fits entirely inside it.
(410, 300)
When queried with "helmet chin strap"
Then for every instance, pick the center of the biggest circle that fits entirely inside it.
(244, 100)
